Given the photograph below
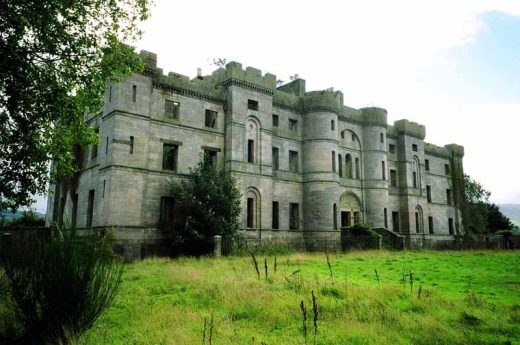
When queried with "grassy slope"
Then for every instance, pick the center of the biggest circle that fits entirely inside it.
(466, 298)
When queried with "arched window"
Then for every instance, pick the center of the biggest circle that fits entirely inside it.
(348, 165)
(419, 228)
(358, 176)
(252, 208)
(252, 143)
(416, 173)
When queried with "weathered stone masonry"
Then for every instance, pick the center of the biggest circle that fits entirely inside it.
(307, 165)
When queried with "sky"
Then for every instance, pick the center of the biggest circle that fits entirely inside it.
(453, 66)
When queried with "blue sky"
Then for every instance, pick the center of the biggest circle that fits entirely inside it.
(453, 66)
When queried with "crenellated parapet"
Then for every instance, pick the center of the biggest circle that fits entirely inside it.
(374, 117)
(250, 78)
(455, 150)
(437, 151)
(405, 127)
(323, 101)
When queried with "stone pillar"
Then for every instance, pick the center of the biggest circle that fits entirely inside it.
(217, 246)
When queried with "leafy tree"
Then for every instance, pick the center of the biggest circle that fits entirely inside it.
(207, 204)
(483, 216)
(57, 57)
(28, 219)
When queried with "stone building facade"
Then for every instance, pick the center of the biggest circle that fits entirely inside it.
(307, 165)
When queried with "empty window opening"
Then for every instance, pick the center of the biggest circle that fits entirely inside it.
(391, 148)
(446, 169)
(427, 164)
(250, 212)
(430, 224)
(383, 170)
(345, 219)
(348, 165)
(131, 145)
(276, 157)
(414, 147)
(385, 214)
(395, 221)
(417, 225)
(393, 178)
(210, 157)
(167, 214)
(276, 215)
(448, 196)
(293, 124)
(94, 152)
(250, 151)
(106, 147)
(293, 161)
(340, 165)
(171, 109)
(414, 177)
(429, 193)
(450, 226)
(252, 104)
(335, 216)
(134, 93)
(275, 120)
(90, 207)
(358, 176)
(332, 125)
(104, 187)
(382, 138)
(333, 156)
(342, 135)
(210, 118)
(110, 93)
(353, 137)
(170, 153)
(294, 216)
(74, 210)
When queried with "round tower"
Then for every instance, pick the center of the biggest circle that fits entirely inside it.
(320, 168)
(375, 167)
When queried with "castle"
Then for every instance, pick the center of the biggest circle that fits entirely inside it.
(307, 165)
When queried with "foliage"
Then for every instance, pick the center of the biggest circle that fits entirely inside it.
(57, 287)
(28, 219)
(483, 216)
(363, 230)
(207, 204)
(165, 301)
(57, 58)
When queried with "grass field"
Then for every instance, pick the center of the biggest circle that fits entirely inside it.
(453, 298)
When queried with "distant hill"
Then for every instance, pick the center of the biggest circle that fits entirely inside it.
(10, 215)
(511, 211)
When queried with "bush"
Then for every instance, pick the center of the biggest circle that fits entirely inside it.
(57, 286)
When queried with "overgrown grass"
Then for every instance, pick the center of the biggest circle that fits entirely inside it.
(456, 298)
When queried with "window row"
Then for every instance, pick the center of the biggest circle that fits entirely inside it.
(171, 154)
(419, 228)
(293, 160)
(253, 213)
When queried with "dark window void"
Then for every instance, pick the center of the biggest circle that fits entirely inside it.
(132, 141)
(414, 177)
(250, 151)
(391, 148)
(417, 224)
(446, 169)
(250, 212)
(210, 120)
(342, 135)
(106, 147)
(167, 215)
(294, 216)
(348, 166)
(94, 152)
(450, 226)
(358, 176)
(395, 221)
(293, 124)
(353, 137)
(74, 211)
(90, 207)
(382, 138)
(332, 125)
(430, 224)
(276, 158)
(104, 187)
(293, 161)
(276, 215)
(252, 104)
(333, 156)
(383, 170)
(170, 153)
(414, 147)
(340, 165)
(427, 165)
(210, 156)
(275, 120)
(134, 93)
(171, 109)
(385, 214)
(335, 216)
(345, 219)
(448, 196)
(429, 193)
(393, 178)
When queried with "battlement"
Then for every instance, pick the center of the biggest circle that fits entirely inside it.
(374, 116)
(325, 100)
(434, 150)
(455, 149)
(405, 127)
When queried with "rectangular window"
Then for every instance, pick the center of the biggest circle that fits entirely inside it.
(385, 212)
(211, 157)
(383, 170)
(252, 104)
(104, 187)
(430, 224)
(170, 153)
(110, 94)
(106, 147)
(293, 124)
(131, 145)
(414, 177)
(353, 137)
(134, 93)
(276, 215)
(294, 216)
(250, 212)
(293, 161)
(414, 147)
(251, 151)
(393, 178)
(276, 157)
(210, 119)
(342, 135)
(167, 214)
(417, 225)
(395, 221)
(90, 207)
(275, 120)
(171, 109)
(382, 138)
(333, 161)
(427, 164)
(357, 220)
(429, 193)
(391, 148)
(446, 169)
(335, 216)
(74, 210)
(448, 196)
(450, 225)
(345, 219)
(94, 152)
(340, 165)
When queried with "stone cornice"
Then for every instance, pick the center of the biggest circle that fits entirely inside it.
(286, 107)
(316, 109)
(246, 85)
(187, 93)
